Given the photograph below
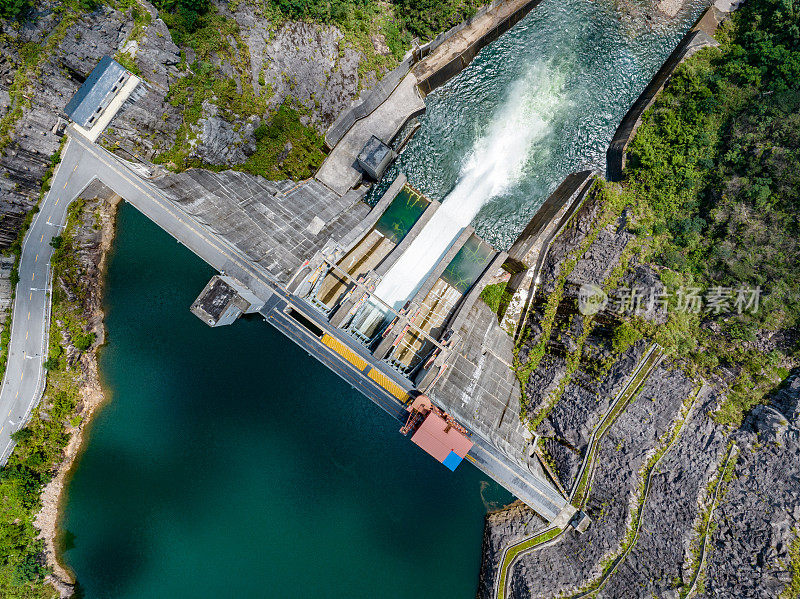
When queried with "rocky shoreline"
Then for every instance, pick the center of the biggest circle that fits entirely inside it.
(95, 246)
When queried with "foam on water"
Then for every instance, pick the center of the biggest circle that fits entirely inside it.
(496, 162)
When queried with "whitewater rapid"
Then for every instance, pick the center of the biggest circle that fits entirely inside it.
(495, 163)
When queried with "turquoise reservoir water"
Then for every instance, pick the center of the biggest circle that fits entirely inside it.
(229, 463)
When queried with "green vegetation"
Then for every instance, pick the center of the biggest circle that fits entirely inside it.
(183, 17)
(40, 444)
(12, 9)
(426, 18)
(713, 179)
(625, 335)
(512, 554)
(792, 590)
(612, 204)
(494, 295)
(286, 149)
(423, 18)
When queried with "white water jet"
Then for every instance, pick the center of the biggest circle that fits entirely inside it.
(496, 162)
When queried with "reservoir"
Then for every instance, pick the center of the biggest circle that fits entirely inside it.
(228, 463)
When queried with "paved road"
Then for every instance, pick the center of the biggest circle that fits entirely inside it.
(82, 161)
(24, 381)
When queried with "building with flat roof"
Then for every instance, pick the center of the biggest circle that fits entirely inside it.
(223, 300)
(97, 91)
(437, 433)
(375, 157)
(103, 93)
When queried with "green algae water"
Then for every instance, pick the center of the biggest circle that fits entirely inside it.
(229, 463)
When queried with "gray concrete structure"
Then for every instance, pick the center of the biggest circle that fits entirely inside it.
(276, 225)
(96, 93)
(375, 157)
(527, 255)
(340, 171)
(268, 239)
(234, 222)
(220, 303)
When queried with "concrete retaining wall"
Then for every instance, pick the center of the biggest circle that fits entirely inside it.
(698, 37)
(384, 88)
(528, 253)
(457, 64)
(371, 100)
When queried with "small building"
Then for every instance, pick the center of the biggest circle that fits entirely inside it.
(223, 300)
(437, 433)
(375, 157)
(580, 522)
(96, 102)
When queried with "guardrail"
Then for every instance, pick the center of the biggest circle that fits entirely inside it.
(692, 587)
(651, 469)
(512, 552)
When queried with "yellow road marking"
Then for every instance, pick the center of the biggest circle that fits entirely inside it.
(33, 275)
(31, 297)
(57, 199)
(9, 411)
(1, 429)
(27, 333)
(37, 258)
(42, 237)
(73, 170)
(65, 185)
(20, 375)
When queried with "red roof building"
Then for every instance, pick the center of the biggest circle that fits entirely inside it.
(442, 439)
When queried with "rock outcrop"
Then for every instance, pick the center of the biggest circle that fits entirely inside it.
(760, 514)
(309, 64)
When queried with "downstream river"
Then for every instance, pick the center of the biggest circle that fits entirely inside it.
(228, 463)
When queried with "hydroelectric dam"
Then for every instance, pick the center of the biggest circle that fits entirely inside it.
(381, 282)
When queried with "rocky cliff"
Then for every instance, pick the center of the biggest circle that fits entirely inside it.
(668, 516)
(45, 59)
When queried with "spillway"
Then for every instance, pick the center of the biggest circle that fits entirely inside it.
(496, 162)
(294, 432)
(589, 57)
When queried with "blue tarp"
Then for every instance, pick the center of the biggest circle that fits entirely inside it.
(452, 460)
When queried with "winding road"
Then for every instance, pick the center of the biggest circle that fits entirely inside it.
(82, 162)
(23, 383)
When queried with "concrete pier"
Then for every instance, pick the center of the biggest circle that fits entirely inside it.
(700, 36)
(526, 256)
